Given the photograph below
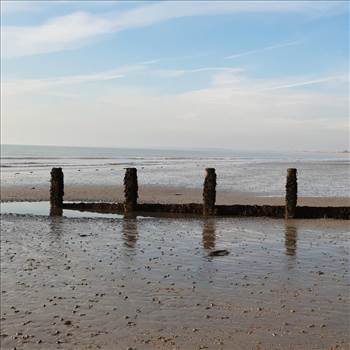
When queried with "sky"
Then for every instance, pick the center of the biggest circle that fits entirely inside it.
(245, 75)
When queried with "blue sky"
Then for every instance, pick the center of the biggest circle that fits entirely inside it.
(244, 75)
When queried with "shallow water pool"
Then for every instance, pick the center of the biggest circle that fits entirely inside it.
(43, 209)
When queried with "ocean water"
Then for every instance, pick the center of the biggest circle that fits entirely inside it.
(260, 173)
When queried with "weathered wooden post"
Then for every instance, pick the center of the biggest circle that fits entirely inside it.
(130, 190)
(291, 193)
(56, 192)
(209, 192)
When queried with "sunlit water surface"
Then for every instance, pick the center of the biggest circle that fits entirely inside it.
(261, 173)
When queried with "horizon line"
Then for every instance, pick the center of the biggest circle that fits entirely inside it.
(175, 148)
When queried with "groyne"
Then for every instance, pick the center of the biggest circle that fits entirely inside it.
(207, 208)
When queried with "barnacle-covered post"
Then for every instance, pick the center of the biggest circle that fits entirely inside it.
(291, 193)
(130, 190)
(56, 192)
(209, 192)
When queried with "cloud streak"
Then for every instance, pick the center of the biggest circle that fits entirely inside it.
(267, 48)
(338, 78)
(174, 73)
(232, 79)
(23, 86)
(242, 117)
(76, 29)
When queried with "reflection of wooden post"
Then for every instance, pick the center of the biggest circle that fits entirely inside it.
(56, 192)
(130, 190)
(291, 240)
(208, 236)
(129, 230)
(291, 193)
(209, 192)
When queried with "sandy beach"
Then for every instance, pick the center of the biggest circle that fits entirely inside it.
(155, 194)
(151, 284)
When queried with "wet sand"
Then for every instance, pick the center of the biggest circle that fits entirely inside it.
(151, 284)
(155, 194)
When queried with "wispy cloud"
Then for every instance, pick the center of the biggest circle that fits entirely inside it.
(173, 73)
(55, 35)
(232, 79)
(238, 82)
(267, 48)
(336, 78)
(15, 87)
(23, 86)
(151, 61)
(76, 29)
(240, 114)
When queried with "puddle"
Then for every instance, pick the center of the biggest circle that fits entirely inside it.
(43, 209)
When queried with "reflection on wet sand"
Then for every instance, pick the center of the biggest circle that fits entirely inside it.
(55, 224)
(129, 231)
(208, 237)
(291, 235)
(148, 284)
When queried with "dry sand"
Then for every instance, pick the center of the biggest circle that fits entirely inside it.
(150, 284)
(155, 194)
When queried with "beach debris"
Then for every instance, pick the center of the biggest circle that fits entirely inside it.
(83, 235)
(219, 252)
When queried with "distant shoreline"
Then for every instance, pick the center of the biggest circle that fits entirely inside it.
(177, 149)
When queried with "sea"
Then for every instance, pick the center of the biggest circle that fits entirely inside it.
(262, 173)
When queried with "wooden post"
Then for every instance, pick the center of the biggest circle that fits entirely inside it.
(291, 193)
(56, 192)
(209, 192)
(130, 190)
